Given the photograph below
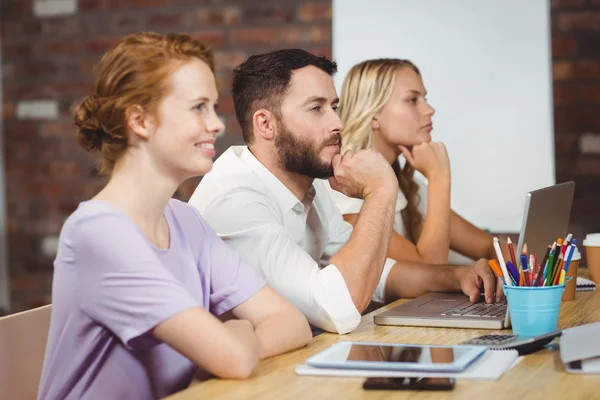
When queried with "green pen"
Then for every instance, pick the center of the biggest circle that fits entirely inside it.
(548, 276)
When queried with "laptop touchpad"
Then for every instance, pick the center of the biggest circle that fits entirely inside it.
(439, 305)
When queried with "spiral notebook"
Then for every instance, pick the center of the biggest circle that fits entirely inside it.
(489, 367)
(585, 285)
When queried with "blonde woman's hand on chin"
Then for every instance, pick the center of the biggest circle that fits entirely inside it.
(362, 173)
(429, 158)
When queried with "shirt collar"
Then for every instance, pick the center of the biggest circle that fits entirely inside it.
(280, 193)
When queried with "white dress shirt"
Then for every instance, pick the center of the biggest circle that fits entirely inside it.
(288, 241)
(349, 205)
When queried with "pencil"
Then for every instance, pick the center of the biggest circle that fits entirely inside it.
(543, 264)
(549, 266)
(511, 250)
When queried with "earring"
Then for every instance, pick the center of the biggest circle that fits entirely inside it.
(377, 126)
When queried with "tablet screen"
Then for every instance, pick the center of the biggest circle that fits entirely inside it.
(406, 354)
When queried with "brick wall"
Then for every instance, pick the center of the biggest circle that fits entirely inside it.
(50, 46)
(576, 70)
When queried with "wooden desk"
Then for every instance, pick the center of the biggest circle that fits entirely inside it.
(539, 376)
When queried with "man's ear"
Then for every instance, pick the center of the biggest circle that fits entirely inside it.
(265, 124)
(140, 122)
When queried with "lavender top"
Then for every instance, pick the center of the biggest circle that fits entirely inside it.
(112, 287)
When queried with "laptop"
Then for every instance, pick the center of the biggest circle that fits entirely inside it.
(546, 218)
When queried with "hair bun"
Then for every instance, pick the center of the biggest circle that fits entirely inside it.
(90, 133)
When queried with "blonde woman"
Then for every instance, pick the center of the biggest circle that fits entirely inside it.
(383, 106)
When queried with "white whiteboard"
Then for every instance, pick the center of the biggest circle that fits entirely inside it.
(486, 65)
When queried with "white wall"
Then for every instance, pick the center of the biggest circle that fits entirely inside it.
(4, 276)
(487, 67)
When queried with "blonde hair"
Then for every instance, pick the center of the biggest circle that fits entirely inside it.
(365, 91)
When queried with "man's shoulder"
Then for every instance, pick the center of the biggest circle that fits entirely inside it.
(229, 175)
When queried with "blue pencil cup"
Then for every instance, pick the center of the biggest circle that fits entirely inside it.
(534, 310)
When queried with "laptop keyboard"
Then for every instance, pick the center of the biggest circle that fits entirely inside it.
(483, 310)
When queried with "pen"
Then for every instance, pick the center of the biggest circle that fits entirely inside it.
(507, 278)
(525, 271)
(572, 250)
(514, 273)
(496, 268)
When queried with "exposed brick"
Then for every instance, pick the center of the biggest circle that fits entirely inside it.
(224, 16)
(98, 5)
(590, 45)
(14, 50)
(224, 81)
(185, 190)
(24, 283)
(320, 51)
(19, 171)
(232, 127)
(127, 22)
(576, 119)
(587, 69)
(255, 36)
(8, 110)
(63, 128)
(564, 144)
(37, 109)
(565, 93)
(567, 3)
(86, 66)
(61, 170)
(580, 20)
(590, 92)
(226, 105)
(309, 12)
(38, 69)
(147, 3)
(52, 8)
(62, 26)
(9, 74)
(169, 20)
(65, 47)
(564, 46)
(211, 39)
(306, 35)
(589, 166)
(268, 14)
(16, 9)
(100, 45)
(229, 59)
(589, 143)
(563, 70)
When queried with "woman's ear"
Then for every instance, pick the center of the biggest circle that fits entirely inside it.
(140, 122)
(264, 124)
(375, 123)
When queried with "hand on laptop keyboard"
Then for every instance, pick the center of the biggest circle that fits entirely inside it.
(473, 278)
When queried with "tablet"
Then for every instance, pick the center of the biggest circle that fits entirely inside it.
(397, 357)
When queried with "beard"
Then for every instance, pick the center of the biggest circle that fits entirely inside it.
(302, 157)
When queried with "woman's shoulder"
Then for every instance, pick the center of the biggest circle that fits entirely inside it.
(346, 205)
(188, 219)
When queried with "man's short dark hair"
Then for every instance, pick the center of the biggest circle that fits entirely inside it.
(262, 80)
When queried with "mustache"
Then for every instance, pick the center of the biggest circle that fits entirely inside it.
(333, 139)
